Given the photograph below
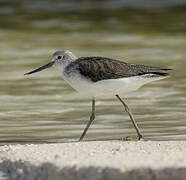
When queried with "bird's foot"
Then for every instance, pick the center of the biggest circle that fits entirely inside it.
(140, 137)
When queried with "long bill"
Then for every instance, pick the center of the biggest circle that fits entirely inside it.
(41, 68)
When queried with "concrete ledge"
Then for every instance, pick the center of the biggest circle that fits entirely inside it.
(108, 160)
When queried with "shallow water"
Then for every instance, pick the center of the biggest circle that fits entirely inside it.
(43, 108)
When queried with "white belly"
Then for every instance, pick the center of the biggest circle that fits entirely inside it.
(108, 87)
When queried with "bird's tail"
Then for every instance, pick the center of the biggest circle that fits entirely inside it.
(157, 72)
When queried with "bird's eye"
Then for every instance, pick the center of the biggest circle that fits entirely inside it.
(59, 57)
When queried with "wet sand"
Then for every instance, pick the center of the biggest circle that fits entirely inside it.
(108, 160)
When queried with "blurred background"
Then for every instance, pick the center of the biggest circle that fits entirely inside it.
(43, 108)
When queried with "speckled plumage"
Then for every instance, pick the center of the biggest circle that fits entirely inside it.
(100, 76)
(102, 68)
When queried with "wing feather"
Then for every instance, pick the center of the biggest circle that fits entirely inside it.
(101, 68)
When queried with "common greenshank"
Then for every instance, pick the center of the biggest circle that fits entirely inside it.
(100, 76)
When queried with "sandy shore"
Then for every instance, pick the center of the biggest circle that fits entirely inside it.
(108, 160)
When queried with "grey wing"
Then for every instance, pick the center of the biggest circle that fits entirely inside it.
(150, 70)
(100, 68)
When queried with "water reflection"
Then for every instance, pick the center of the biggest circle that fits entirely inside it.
(43, 108)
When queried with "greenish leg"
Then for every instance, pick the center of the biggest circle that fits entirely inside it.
(92, 117)
(131, 117)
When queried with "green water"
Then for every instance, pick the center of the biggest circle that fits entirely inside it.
(43, 108)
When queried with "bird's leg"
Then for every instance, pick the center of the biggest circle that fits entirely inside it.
(131, 117)
(92, 117)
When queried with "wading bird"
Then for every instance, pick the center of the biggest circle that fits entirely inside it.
(100, 76)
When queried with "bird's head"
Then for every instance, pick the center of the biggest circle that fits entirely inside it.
(59, 59)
